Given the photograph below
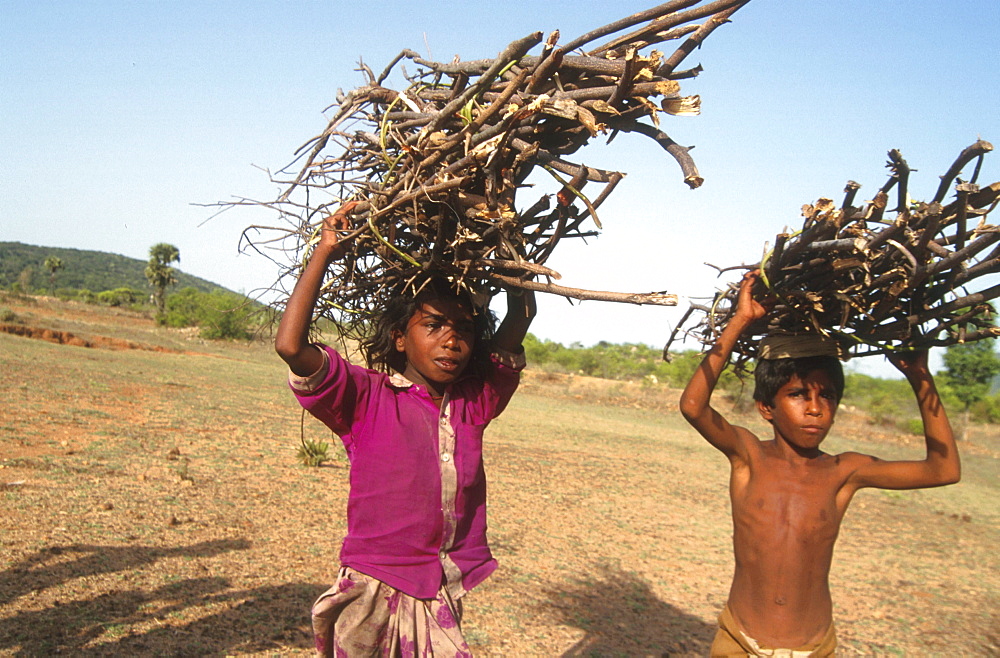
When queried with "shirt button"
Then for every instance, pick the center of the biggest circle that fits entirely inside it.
(443, 554)
(446, 457)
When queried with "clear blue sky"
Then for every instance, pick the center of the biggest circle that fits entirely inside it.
(117, 117)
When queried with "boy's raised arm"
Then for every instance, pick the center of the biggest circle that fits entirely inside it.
(695, 400)
(291, 341)
(941, 466)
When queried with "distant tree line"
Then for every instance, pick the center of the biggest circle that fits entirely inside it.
(968, 383)
(95, 277)
(624, 361)
(80, 270)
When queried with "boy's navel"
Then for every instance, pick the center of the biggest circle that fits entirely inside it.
(780, 600)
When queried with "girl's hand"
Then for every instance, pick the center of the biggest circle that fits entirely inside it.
(748, 309)
(332, 226)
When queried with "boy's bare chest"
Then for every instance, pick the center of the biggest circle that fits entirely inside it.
(802, 504)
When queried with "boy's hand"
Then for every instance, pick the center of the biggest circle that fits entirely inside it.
(695, 403)
(748, 309)
(941, 465)
(910, 363)
(332, 225)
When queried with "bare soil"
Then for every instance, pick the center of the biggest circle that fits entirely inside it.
(151, 504)
(67, 338)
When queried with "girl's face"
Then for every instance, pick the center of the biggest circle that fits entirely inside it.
(438, 343)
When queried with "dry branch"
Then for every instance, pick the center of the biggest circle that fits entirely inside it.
(876, 285)
(437, 165)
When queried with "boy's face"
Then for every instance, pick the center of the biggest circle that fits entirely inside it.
(437, 342)
(803, 410)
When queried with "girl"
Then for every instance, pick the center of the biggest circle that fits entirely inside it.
(416, 511)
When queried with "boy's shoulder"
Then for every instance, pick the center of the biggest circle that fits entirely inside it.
(844, 461)
(851, 458)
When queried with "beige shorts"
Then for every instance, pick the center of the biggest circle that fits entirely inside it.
(730, 642)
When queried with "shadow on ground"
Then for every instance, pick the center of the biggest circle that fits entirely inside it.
(621, 616)
(247, 620)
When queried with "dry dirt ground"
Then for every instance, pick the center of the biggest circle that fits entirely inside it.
(151, 504)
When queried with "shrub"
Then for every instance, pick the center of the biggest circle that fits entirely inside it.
(232, 319)
(313, 453)
(86, 296)
(625, 361)
(183, 309)
(882, 410)
(884, 399)
(121, 297)
(680, 369)
(987, 410)
(13, 295)
(219, 314)
(913, 426)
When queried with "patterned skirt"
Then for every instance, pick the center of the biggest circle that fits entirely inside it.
(362, 616)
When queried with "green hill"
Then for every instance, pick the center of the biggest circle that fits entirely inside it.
(83, 270)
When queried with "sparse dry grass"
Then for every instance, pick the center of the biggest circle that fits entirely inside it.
(152, 503)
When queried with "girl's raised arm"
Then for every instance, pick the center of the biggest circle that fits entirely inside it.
(520, 312)
(291, 341)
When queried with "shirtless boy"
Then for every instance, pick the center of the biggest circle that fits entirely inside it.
(788, 496)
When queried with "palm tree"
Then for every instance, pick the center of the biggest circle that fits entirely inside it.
(53, 264)
(159, 273)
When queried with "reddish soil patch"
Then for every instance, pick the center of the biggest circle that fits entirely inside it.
(67, 338)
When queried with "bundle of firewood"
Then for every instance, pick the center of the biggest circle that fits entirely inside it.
(877, 284)
(435, 167)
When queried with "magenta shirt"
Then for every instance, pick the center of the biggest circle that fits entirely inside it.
(416, 512)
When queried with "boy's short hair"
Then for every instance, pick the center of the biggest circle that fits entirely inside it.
(771, 374)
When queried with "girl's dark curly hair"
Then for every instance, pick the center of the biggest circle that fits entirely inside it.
(379, 348)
